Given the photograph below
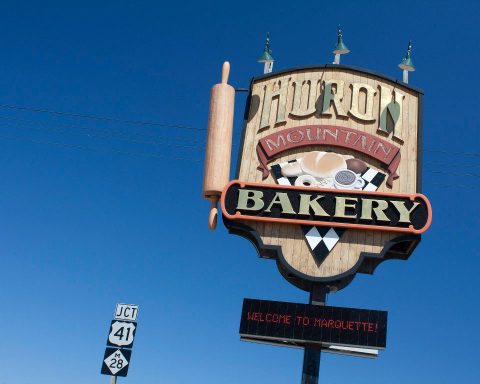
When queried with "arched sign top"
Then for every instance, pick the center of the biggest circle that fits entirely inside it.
(355, 69)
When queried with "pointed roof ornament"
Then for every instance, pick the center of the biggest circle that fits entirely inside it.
(267, 52)
(407, 63)
(340, 48)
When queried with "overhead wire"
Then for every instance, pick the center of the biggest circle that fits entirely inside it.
(453, 164)
(82, 147)
(53, 129)
(103, 135)
(462, 153)
(101, 118)
(153, 140)
(113, 132)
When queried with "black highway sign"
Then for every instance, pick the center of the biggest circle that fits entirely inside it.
(116, 362)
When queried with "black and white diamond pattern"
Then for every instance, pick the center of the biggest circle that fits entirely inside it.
(321, 240)
(373, 179)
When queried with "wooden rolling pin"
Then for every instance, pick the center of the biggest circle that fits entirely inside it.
(219, 143)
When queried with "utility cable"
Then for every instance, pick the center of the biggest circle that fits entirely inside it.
(102, 118)
(52, 129)
(82, 147)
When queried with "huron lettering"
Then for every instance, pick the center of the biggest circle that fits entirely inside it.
(333, 102)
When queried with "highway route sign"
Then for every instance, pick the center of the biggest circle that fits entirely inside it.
(116, 362)
(126, 312)
(121, 334)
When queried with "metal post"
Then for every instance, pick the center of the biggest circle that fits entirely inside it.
(113, 379)
(311, 356)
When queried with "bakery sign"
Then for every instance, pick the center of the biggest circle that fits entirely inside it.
(328, 179)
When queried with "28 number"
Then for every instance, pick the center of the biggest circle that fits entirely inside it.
(116, 363)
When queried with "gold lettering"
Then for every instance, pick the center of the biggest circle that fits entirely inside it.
(270, 94)
(370, 93)
(367, 208)
(404, 212)
(246, 195)
(282, 199)
(341, 205)
(300, 95)
(306, 203)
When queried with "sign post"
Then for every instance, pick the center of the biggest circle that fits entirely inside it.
(311, 355)
(116, 360)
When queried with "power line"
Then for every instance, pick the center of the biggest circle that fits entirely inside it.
(455, 165)
(455, 173)
(455, 186)
(111, 132)
(165, 125)
(453, 152)
(52, 129)
(163, 157)
(102, 118)
(82, 147)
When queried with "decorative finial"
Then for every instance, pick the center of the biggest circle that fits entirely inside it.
(407, 63)
(340, 48)
(266, 56)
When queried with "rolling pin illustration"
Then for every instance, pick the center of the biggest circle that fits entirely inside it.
(219, 143)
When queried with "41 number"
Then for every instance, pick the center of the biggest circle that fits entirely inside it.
(120, 333)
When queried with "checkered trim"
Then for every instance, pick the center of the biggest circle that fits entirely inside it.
(277, 174)
(373, 179)
(321, 240)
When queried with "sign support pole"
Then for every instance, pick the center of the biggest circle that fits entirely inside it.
(311, 356)
(113, 379)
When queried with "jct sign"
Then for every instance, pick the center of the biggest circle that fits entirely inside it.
(329, 173)
(127, 312)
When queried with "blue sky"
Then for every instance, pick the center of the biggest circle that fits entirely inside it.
(95, 212)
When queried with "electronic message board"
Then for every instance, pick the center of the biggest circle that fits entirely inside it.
(302, 324)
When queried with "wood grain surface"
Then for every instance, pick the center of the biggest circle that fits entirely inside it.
(290, 237)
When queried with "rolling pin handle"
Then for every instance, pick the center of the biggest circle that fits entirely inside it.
(213, 216)
(225, 72)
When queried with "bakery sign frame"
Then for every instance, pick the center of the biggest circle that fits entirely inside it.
(328, 177)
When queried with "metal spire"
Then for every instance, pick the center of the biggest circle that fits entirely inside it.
(267, 56)
(340, 48)
(407, 63)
